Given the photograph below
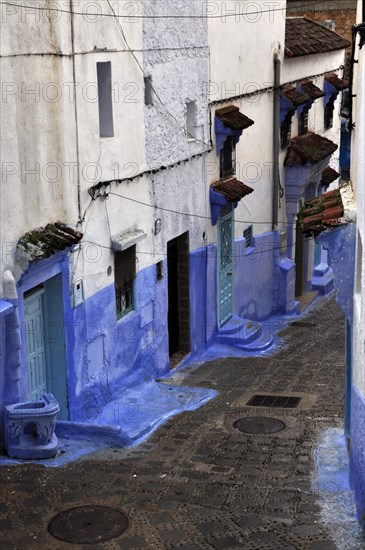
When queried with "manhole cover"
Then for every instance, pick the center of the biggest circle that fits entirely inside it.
(88, 524)
(259, 425)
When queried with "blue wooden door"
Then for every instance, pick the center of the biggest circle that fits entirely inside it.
(36, 351)
(225, 266)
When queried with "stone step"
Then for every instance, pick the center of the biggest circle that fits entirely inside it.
(324, 284)
(320, 270)
(233, 325)
(243, 332)
(263, 342)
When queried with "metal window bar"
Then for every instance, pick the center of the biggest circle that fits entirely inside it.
(328, 114)
(303, 122)
(285, 131)
(247, 234)
(228, 158)
(124, 299)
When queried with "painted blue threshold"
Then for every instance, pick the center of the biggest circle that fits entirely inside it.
(125, 422)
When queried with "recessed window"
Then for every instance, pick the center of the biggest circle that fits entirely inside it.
(125, 274)
(191, 119)
(159, 270)
(104, 74)
(303, 122)
(247, 234)
(228, 158)
(148, 91)
(328, 114)
(285, 130)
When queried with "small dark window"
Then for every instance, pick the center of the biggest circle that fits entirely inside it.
(104, 74)
(228, 158)
(285, 130)
(328, 114)
(148, 100)
(159, 270)
(303, 122)
(125, 274)
(191, 119)
(248, 236)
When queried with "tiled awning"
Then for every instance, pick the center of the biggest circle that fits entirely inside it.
(322, 212)
(225, 192)
(294, 96)
(303, 36)
(310, 148)
(233, 118)
(328, 176)
(233, 190)
(311, 90)
(229, 121)
(45, 241)
(336, 82)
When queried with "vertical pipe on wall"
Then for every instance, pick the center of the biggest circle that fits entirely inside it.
(275, 204)
(72, 29)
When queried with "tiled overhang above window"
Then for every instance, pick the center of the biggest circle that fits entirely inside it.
(45, 241)
(290, 100)
(127, 239)
(309, 148)
(224, 192)
(322, 212)
(328, 176)
(332, 86)
(312, 91)
(229, 121)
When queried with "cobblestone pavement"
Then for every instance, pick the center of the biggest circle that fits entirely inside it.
(198, 482)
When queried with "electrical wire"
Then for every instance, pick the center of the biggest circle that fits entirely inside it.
(191, 16)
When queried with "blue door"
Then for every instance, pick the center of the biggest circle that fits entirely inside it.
(225, 265)
(45, 343)
(36, 351)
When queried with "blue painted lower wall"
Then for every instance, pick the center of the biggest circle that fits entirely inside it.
(357, 452)
(105, 356)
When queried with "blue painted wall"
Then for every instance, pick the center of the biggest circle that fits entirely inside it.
(357, 452)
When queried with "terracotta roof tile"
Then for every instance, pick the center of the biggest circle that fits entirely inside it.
(322, 212)
(45, 241)
(310, 147)
(336, 82)
(294, 96)
(329, 175)
(305, 37)
(312, 90)
(232, 118)
(233, 190)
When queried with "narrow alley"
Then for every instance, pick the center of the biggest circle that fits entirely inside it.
(198, 481)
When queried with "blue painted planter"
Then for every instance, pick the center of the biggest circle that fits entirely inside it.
(29, 428)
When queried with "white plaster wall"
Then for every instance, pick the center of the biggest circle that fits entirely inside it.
(176, 58)
(108, 159)
(37, 130)
(358, 182)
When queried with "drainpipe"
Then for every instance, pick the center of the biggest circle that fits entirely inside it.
(72, 29)
(275, 203)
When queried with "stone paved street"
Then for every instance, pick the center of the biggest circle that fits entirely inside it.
(198, 482)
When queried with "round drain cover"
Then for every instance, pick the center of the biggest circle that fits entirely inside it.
(259, 425)
(88, 524)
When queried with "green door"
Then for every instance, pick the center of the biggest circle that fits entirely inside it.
(36, 351)
(225, 265)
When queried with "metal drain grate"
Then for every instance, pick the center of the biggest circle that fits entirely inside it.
(283, 401)
(88, 524)
(259, 425)
(303, 324)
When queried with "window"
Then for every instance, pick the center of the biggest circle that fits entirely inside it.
(125, 273)
(328, 114)
(159, 270)
(247, 234)
(285, 130)
(148, 90)
(228, 158)
(191, 119)
(303, 122)
(104, 74)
